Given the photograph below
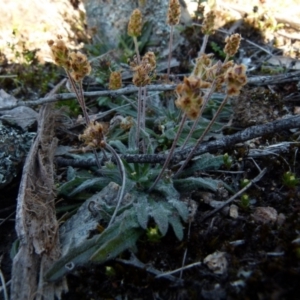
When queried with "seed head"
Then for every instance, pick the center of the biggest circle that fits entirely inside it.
(149, 58)
(232, 44)
(141, 77)
(235, 78)
(209, 23)
(174, 12)
(190, 97)
(93, 135)
(203, 62)
(115, 80)
(80, 66)
(59, 52)
(135, 24)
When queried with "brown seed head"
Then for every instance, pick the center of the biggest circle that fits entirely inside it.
(149, 58)
(59, 52)
(135, 24)
(203, 62)
(235, 78)
(115, 80)
(209, 23)
(174, 12)
(143, 70)
(189, 96)
(93, 135)
(80, 66)
(232, 44)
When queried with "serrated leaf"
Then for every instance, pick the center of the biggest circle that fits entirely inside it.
(174, 220)
(193, 183)
(160, 216)
(181, 207)
(142, 211)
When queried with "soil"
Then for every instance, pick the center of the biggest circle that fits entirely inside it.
(256, 237)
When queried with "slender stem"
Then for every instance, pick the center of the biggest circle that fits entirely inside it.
(83, 106)
(138, 122)
(202, 136)
(79, 96)
(170, 50)
(204, 43)
(143, 115)
(123, 177)
(208, 96)
(136, 47)
(170, 154)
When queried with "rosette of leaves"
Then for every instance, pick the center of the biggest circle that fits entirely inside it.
(162, 206)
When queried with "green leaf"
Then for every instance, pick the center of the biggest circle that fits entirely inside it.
(204, 162)
(119, 145)
(181, 207)
(160, 216)
(167, 189)
(71, 173)
(193, 183)
(117, 245)
(131, 139)
(90, 183)
(174, 220)
(80, 255)
(142, 211)
(69, 186)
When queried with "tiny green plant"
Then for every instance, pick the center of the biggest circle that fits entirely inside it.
(290, 180)
(227, 161)
(153, 234)
(245, 201)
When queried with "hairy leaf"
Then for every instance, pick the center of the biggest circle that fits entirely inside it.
(160, 215)
(117, 245)
(94, 182)
(181, 208)
(193, 183)
(174, 220)
(142, 211)
(204, 162)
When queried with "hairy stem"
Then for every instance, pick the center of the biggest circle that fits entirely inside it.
(202, 136)
(170, 154)
(136, 47)
(170, 50)
(208, 96)
(139, 115)
(123, 177)
(204, 44)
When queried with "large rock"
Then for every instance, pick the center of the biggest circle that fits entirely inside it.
(110, 19)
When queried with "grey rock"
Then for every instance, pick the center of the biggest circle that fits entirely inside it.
(14, 146)
(110, 19)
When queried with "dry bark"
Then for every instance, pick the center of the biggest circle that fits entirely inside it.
(36, 224)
